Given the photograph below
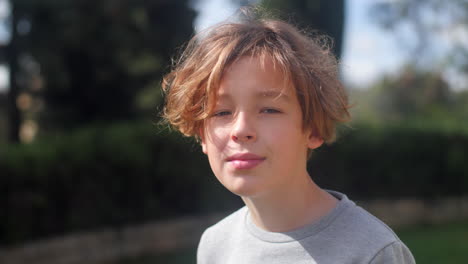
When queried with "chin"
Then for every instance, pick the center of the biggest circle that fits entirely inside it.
(244, 193)
(245, 189)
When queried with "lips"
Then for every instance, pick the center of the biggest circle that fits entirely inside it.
(245, 161)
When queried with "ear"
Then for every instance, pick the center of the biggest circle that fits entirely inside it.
(203, 145)
(201, 135)
(314, 141)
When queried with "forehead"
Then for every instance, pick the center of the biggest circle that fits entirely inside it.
(260, 75)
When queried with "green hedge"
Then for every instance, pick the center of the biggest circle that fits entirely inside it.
(395, 161)
(131, 173)
(101, 176)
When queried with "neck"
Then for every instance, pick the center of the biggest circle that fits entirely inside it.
(294, 206)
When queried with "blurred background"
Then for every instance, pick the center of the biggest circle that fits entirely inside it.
(87, 175)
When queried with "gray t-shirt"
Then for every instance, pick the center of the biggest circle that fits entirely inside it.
(348, 234)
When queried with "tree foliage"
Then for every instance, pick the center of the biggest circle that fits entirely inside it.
(413, 95)
(96, 56)
(429, 30)
(429, 88)
(327, 17)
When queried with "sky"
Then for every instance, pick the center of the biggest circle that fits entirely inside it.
(369, 51)
(4, 11)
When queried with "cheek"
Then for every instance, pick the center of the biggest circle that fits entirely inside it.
(288, 137)
(216, 140)
(288, 129)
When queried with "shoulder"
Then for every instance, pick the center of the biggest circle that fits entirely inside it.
(356, 222)
(363, 233)
(396, 252)
(370, 226)
(220, 234)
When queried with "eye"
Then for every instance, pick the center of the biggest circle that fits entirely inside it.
(222, 113)
(270, 111)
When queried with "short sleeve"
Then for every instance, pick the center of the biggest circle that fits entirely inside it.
(395, 253)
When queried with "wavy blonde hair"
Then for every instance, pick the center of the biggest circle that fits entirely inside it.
(306, 62)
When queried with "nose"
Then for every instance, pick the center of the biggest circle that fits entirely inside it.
(243, 129)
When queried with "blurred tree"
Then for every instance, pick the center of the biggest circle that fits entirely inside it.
(430, 31)
(462, 104)
(14, 115)
(327, 17)
(433, 35)
(413, 93)
(96, 56)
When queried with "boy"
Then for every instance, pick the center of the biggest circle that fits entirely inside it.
(260, 96)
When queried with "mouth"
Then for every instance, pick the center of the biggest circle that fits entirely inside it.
(245, 161)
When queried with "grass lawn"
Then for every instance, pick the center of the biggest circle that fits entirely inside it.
(445, 243)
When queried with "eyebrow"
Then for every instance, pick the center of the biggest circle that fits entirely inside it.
(267, 94)
(273, 94)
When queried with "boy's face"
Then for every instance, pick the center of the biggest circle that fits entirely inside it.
(254, 140)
